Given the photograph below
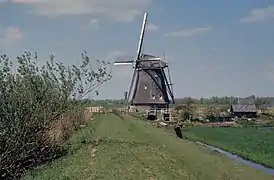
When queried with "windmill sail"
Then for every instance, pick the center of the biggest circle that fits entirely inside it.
(123, 62)
(139, 50)
(141, 39)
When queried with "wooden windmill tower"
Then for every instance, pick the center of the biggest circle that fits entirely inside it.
(150, 86)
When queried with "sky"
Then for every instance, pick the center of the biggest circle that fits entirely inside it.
(214, 48)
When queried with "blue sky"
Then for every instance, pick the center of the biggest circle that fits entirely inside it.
(214, 47)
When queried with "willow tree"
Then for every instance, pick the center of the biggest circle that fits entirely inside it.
(32, 98)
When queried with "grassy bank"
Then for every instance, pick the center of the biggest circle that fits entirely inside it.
(126, 148)
(251, 143)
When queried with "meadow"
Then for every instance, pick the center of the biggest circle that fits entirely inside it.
(125, 147)
(255, 144)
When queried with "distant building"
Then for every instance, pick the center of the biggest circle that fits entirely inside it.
(238, 110)
(97, 109)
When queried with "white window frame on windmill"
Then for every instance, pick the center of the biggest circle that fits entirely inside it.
(145, 87)
(153, 96)
(160, 97)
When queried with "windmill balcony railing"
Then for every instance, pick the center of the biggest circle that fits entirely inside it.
(162, 114)
(155, 110)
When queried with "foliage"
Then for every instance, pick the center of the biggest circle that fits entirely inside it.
(258, 101)
(212, 112)
(106, 103)
(185, 115)
(245, 122)
(186, 110)
(34, 100)
(255, 144)
(267, 124)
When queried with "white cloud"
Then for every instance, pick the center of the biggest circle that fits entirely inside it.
(94, 21)
(92, 24)
(120, 10)
(10, 36)
(259, 14)
(189, 32)
(152, 27)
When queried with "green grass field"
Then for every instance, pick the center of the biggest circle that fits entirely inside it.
(251, 143)
(111, 147)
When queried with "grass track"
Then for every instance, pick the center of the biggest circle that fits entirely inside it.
(133, 149)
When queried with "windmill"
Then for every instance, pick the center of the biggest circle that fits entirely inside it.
(151, 85)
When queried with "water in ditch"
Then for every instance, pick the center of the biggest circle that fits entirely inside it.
(238, 159)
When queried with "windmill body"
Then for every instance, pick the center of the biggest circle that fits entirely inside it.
(150, 86)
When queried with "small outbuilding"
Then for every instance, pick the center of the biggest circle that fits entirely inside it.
(249, 111)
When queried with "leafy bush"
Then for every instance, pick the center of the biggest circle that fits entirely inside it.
(37, 103)
(211, 113)
(187, 111)
(245, 122)
(267, 124)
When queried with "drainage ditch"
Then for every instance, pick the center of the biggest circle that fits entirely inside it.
(238, 158)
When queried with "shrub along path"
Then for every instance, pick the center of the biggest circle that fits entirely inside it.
(112, 147)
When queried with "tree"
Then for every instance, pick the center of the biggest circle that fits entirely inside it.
(187, 111)
(212, 112)
(33, 99)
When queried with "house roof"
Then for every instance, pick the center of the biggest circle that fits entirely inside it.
(244, 108)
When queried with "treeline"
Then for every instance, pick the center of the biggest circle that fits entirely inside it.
(226, 100)
(258, 101)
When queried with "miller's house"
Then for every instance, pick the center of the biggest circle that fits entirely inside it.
(249, 111)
